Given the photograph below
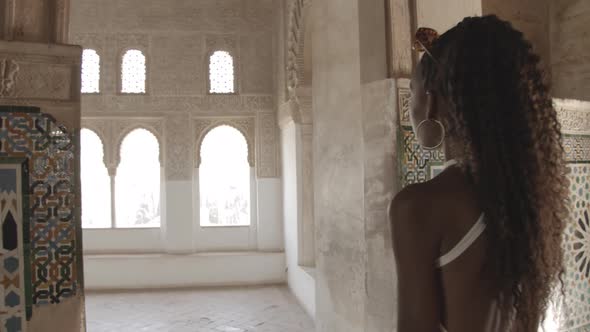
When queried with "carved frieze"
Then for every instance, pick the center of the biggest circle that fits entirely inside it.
(37, 72)
(179, 148)
(8, 75)
(44, 81)
(196, 104)
(574, 116)
(403, 100)
(224, 42)
(94, 41)
(267, 146)
(295, 36)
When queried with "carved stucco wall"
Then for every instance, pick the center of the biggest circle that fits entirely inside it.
(177, 41)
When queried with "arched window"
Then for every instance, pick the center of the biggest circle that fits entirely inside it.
(96, 183)
(133, 72)
(137, 184)
(224, 178)
(90, 71)
(221, 73)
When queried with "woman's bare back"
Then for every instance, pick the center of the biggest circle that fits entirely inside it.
(465, 294)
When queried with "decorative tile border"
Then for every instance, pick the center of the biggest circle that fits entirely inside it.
(54, 216)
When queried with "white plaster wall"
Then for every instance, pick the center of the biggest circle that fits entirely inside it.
(122, 240)
(270, 215)
(195, 270)
(300, 279)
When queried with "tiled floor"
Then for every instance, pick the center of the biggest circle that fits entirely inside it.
(260, 309)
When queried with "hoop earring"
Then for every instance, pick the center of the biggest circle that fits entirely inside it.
(442, 128)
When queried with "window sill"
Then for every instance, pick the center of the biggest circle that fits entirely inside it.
(225, 226)
(133, 94)
(144, 254)
(93, 229)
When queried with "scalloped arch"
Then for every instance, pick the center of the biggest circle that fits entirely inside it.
(127, 131)
(249, 140)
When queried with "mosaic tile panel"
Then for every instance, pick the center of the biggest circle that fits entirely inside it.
(12, 248)
(54, 218)
(417, 164)
(577, 148)
(577, 246)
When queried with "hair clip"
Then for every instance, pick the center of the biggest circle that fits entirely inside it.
(424, 40)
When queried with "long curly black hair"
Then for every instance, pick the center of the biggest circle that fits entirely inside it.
(507, 136)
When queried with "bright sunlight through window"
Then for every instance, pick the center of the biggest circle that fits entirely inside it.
(90, 71)
(137, 184)
(133, 72)
(221, 73)
(96, 183)
(224, 179)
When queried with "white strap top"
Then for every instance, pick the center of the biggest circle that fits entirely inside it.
(472, 235)
(466, 242)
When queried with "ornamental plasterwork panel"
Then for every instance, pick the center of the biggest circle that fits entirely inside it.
(403, 98)
(256, 58)
(295, 35)
(574, 116)
(8, 74)
(94, 41)
(224, 42)
(130, 40)
(112, 131)
(267, 146)
(258, 14)
(44, 81)
(246, 125)
(36, 72)
(196, 104)
(179, 147)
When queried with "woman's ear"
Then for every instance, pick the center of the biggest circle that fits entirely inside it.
(431, 106)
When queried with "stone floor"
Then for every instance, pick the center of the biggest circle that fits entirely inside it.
(259, 309)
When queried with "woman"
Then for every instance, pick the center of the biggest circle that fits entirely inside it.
(478, 248)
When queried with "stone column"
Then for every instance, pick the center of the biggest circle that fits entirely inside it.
(338, 167)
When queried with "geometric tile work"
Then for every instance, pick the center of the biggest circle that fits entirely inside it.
(575, 120)
(12, 292)
(54, 217)
(577, 248)
(415, 164)
(577, 148)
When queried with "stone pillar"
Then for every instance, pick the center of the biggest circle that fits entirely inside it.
(338, 167)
